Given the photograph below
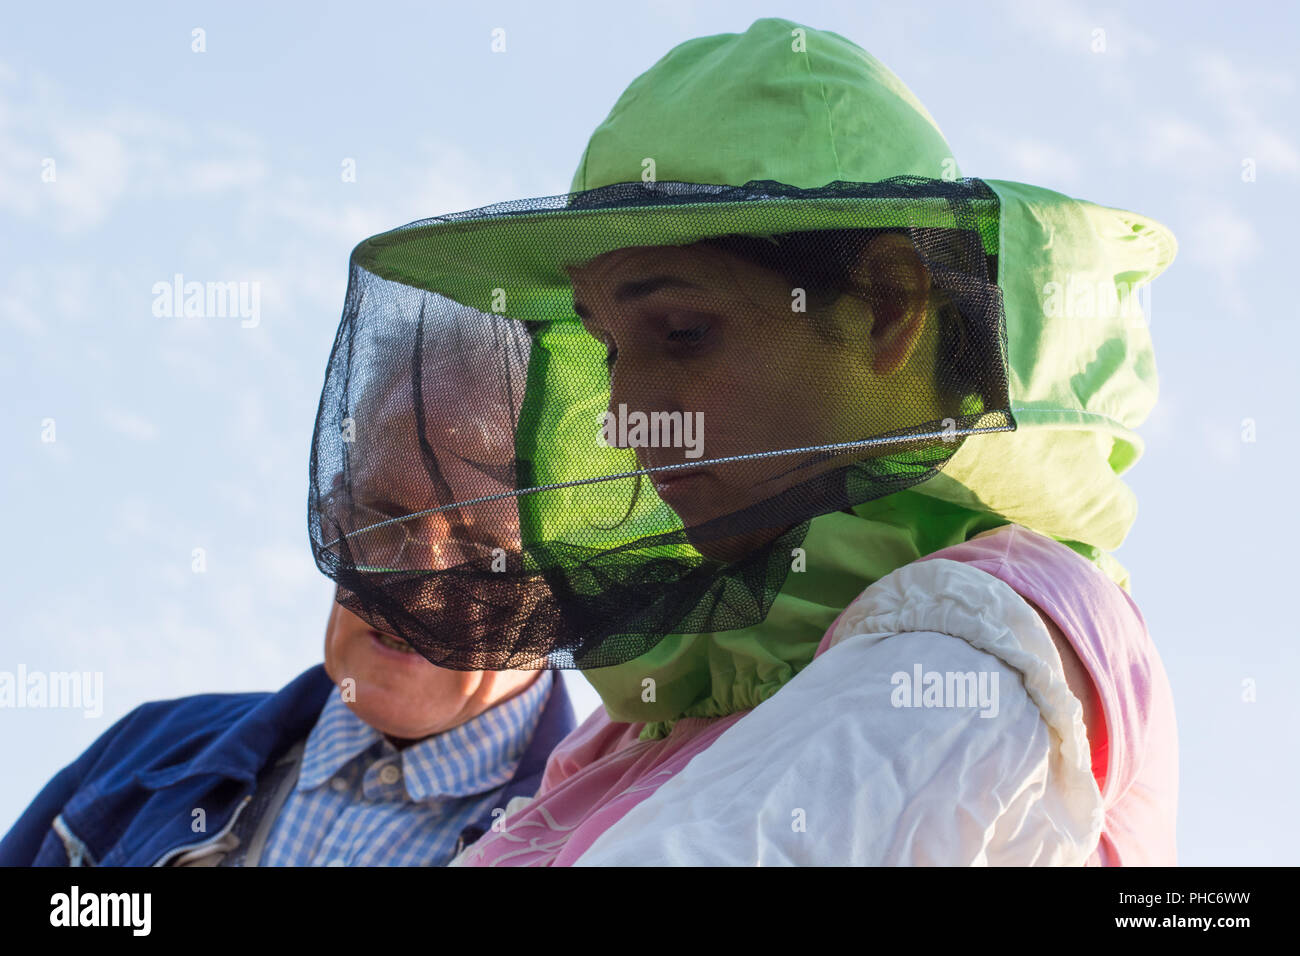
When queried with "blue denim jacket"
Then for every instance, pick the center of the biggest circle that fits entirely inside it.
(129, 799)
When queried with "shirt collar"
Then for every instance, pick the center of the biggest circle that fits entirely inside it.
(338, 738)
(477, 756)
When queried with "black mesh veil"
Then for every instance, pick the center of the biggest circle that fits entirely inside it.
(555, 430)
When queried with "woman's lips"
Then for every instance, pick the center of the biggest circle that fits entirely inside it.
(677, 483)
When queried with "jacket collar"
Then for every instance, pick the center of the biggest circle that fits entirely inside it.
(121, 830)
(266, 730)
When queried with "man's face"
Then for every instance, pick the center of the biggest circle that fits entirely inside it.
(403, 464)
(401, 694)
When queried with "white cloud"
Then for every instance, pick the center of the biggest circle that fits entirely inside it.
(218, 175)
(17, 306)
(37, 300)
(91, 169)
(101, 160)
(1271, 150)
(1040, 161)
(104, 161)
(1244, 96)
(129, 425)
(1222, 79)
(1234, 124)
(1222, 440)
(1071, 28)
(287, 574)
(1222, 239)
(1165, 418)
(1175, 142)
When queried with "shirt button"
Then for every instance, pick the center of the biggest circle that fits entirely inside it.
(390, 774)
(339, 784)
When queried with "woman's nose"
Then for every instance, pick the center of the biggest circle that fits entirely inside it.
(633, 390)
(642, 384)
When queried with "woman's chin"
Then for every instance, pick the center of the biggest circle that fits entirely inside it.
(733, 548)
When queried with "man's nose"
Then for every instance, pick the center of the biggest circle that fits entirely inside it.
(456, 537)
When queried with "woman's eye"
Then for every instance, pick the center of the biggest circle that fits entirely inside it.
(689, 336)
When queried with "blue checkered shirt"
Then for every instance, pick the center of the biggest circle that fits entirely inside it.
(359, 801)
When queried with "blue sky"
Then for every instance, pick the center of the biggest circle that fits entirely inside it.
(175, 434)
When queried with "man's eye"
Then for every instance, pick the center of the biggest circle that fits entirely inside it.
(385, 510)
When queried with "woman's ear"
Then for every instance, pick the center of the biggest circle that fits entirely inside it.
(897, 287)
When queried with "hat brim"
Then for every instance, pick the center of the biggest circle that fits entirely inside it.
(509, 258)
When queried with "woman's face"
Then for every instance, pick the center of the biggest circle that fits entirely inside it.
(704, 333)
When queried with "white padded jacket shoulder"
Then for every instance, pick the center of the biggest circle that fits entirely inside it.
(936, 729)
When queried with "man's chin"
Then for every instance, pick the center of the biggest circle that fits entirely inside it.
(395, 673)
(388, 709)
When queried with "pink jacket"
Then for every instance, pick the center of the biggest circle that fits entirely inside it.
(1135, 759)
(602, 772)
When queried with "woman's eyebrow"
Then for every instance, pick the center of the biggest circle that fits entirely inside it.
(639, 289)
(644, 287)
